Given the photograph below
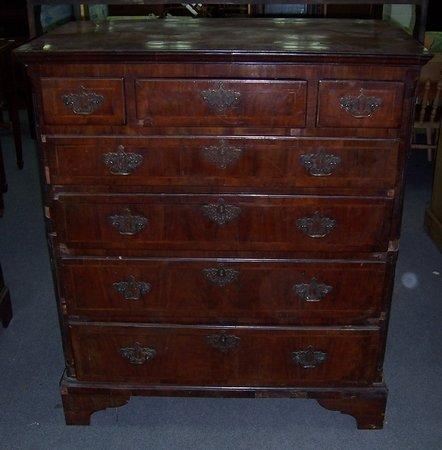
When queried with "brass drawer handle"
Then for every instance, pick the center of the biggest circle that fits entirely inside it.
(316, 226)
(220, 99)
(221, 276)
(131, 289)
(320, 164)
(221, 212)
(127, 223)
(309, 358)
(360, 106)
(122, 162)
(82, 102)
(314, 291)
(223, 342)
(222, 155)
(138, 354)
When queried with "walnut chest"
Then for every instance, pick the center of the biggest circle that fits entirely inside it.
(223, 204)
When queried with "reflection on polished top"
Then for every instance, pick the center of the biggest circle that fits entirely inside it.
(228, 36)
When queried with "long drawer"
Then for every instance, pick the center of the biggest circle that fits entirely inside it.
(223, 291)
(245, 222)
(271, 163)
(231, 356)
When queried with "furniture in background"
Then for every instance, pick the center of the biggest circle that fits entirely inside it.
(5, 303)
(429, 102)
(5, 300)
(362, 10)
(3, 182)
(8, 98)
(255, 10)
(433, 214)
(433, 20)
(336, 7)
(233, 10)
(433, 72)
(428, 117)
(223, 206)
(14, 26)
(14, 20)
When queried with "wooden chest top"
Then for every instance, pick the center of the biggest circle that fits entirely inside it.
(257, 39)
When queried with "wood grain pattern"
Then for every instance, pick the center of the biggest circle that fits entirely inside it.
(253, 38)
(387, 115)
(111, 110)
(260, 292)
(224, 219)
(253, 73)
(178, 222)
(183, 356)
(262, 163)
(259, 103)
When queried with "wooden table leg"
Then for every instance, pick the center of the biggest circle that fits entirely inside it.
(5, 307)
(7, 66)
(14, 116)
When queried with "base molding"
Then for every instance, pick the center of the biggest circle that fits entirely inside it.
(81, 399)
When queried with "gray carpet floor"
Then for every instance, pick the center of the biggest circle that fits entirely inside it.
(31, 360)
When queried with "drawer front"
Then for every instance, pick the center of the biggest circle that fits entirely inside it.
(224, 292)
(225, 162)
(366, 104)
(204, 103)
(212, 356)
(249, 223)
(83, 101)
(224, 356)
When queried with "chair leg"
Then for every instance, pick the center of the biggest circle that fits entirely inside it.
(16, 131)
(5, 307)
(3, 183)
(429, 133)
(30, 110)
(14, 117)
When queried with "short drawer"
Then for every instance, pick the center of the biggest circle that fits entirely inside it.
(225, 162)
(224, 356)
(218, 102)
(224, 291)
(355, 104)
(232, 223)
(83, 101)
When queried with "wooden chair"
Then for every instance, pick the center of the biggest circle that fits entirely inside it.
(428, 117)
(433, 214)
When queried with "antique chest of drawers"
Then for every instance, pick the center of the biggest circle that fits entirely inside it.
(223, 203)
